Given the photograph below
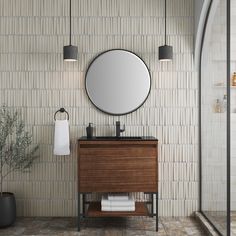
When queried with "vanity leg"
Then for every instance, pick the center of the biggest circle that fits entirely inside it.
(78, 223)
(84, 198)
(157, 211)
(151, 195)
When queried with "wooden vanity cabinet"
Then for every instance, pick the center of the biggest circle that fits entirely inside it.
(117, 166)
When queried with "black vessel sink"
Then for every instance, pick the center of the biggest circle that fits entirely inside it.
(118, 138)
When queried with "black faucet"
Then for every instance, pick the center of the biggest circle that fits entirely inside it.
(118, 129)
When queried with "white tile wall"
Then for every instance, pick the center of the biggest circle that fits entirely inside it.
(35, 80)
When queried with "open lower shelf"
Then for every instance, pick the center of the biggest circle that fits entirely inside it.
(94, 210)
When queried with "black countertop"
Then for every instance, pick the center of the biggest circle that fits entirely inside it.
(114, 138)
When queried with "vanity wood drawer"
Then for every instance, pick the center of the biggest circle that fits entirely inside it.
(117, 166)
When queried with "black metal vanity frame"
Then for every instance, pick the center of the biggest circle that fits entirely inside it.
(84, 203)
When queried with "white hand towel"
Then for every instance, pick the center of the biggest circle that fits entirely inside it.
(61, 138)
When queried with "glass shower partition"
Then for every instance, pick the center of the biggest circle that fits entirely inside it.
(214, 107)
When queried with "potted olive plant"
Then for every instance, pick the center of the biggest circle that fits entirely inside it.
(16, 154)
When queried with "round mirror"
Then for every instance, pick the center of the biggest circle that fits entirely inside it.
(117, 82)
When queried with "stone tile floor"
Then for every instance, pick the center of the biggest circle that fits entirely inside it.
(220, 221)
(132, 226)
(233, 223)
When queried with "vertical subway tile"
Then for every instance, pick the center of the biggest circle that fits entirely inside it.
(36, 80)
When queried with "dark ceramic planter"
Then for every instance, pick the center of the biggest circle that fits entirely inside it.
(7, 209)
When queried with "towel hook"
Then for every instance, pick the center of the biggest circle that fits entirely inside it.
(61, 110)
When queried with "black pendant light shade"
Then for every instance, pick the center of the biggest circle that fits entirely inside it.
(70, 52)
(165, 51)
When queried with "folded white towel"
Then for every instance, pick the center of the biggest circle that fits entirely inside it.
(123, 203)
(61, 138)
(118, 196)
(118, 204)
(118, 208)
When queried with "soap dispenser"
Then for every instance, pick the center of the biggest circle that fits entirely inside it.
(224, 103)
(89, 130)
(217, 106)
(234, 79)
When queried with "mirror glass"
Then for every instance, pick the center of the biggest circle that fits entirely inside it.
(117, 82)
